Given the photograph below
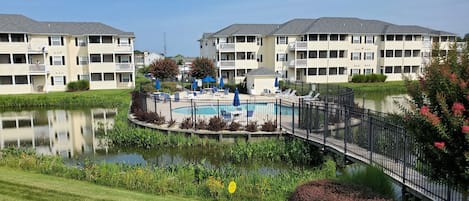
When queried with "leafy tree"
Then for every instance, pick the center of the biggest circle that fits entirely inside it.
(179, 59)
(164, 68)
(439, 118)
(202, 67)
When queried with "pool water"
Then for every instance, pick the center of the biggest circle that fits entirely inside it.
(262, 108)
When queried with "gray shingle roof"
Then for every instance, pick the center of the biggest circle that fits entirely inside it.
(22, 24)
(262, 71)
(245, 29)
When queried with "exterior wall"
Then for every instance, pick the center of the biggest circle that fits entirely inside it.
(260, 83)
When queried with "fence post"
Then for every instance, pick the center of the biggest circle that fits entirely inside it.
(276, 113)
(404, 171)
(195, 116)
(154, 100)
(300, 104)
(346, 131)
(170, 109)
(326, 122)
(218, 108)
(280, 122)
(293, 117)
(308, 120)
(247, 107)
(370, 135)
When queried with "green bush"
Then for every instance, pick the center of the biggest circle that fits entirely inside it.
(369, 78)
(369, 176)
(80, 85)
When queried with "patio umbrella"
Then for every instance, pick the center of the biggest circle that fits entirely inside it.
(157, 84)
(221, 84)
(276, 82)
(208, 79)
(236, 101)
(194, 84)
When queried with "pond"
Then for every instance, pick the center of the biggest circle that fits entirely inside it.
(382, 102)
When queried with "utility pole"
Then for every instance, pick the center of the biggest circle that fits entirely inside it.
(164, 43)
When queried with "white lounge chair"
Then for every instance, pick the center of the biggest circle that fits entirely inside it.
(310, 94)
(314, 98)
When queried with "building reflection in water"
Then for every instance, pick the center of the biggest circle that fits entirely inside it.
(67, 133)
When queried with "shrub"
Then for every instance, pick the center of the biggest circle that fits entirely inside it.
(168, 87)
(216, 124)
(201, 124)
(369, 78)
(234, 126)
(186, 123)
(269, 126)
(80, 85)
(252, 126)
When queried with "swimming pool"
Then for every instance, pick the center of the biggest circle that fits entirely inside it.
(259, 108)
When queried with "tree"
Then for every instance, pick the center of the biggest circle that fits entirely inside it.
(164, 68)
(438, 118)
(202, 67)
(179, 59)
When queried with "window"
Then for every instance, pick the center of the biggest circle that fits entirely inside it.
(94, 39)
(56, 41)
(355, 55)
(356, 39)
(282, 57)
(416, 53)
(6, 80)
(95, 58)
(369, 55)
(259, 58)
(322, 71)
(241, 72)
(342, 37)
(108, 76)
(333, 54)
(17, 37)
(21, 79)
(108, 58)
(399, 37)
(57, 60)
(389, 37)
(19, 58)
(250, 55)
(282, 40)
(408, 37)
(96, 77)
(123, 59)
(398, 53)
(312, 71)
(250, 39)
(415, 69)
(241, 55)
(5, 59)
(397, 69)
(334, 37)
(80, 41)
(369, 39)
(82, 60)
(368, 71)
(126, 78)
(407, 53)
(342, 70)
(341, 53)
(333, 71)
(313, 37)
(58, 80)
(381, 53)
(389, 53)
(313, 54)
(355, 71)
(123, 41)
(406, 69)
(4, 38)
(106, 39)
(388, 69)
(322, 54)
(322, 37)
(83, 77)
(259, 41)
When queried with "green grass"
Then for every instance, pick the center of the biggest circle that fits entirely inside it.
(392, 87)
(20, 185)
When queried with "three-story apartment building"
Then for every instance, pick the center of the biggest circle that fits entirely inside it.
(44, 56)
(324, 49)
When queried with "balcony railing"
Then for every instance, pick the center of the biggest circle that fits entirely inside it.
(298, 63)
(298, 45)
(37, 68)
(124, 67)
(227, 64)
(226, 47)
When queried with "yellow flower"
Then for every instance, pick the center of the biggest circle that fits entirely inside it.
(232, 187)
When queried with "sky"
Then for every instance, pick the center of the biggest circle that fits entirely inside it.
(184, 21)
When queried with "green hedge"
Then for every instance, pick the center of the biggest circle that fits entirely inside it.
(369, 78)
(80, 85)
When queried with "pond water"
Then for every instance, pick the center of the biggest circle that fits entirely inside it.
(381, 102)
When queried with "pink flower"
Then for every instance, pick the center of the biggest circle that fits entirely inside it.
(458, 108)
(465, 129)
(432, 118)
(439, 145)
(453, 78)
(462, 85)
(424, 110)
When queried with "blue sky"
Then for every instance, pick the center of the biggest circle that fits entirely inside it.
(184, 21)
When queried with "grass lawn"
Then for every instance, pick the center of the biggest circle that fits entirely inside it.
(21, 185)
(392, 87)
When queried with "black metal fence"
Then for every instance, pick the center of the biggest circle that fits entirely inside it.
(332, 121)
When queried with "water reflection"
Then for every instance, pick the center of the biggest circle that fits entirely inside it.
(67, 133)
(382, 102)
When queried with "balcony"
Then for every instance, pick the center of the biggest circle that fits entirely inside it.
(226, 47)
(298, 63)
(37, 68)
(227, 64)
(298, 45)
(124, 67)
(123, 48)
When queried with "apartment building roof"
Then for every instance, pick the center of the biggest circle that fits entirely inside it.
(326, 25)
(244, 29)
(12, 23)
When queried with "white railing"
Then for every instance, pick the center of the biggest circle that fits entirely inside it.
(298, 45)
(227, 64)
(124, 67)
(298, 63)
(37, 68)
(226, 47)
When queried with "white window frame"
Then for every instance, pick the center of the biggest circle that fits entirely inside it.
(355, 55)
(368, 71)
(355, 71)
(369, 55)
(81, 41)
(83, 60)
(125, 77)
(369, 39)
(124, 42)
(56, 41)
(59, 81)
(282, 57)
(356, 39)
(57, 61)
(124, 59)
(282, 40)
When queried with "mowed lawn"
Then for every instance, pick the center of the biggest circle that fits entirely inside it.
(21, 185)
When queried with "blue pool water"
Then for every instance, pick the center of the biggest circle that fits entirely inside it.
(262, 108)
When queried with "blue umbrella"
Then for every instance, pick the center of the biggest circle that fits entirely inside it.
(208, 78)
(194, 84)
(157, 84)
(221, 84)
(236, 101)
(276, 82)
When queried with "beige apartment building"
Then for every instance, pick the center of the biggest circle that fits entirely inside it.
(44, 56)
(324, 50)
